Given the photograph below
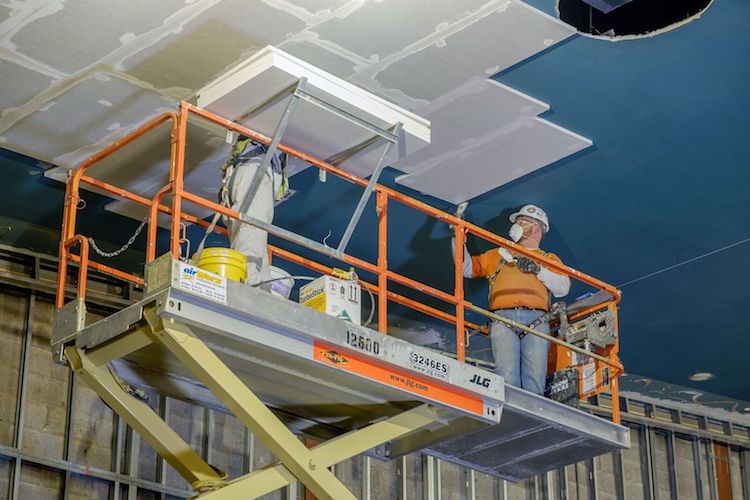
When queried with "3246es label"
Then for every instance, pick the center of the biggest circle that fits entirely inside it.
(428, 365)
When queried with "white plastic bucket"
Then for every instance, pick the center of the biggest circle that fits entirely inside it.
(280, 287)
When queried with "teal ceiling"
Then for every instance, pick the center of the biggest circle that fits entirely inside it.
(659, 206)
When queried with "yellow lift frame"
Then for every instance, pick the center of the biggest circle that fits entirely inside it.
(296, 462)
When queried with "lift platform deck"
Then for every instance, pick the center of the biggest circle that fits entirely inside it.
(327, 377)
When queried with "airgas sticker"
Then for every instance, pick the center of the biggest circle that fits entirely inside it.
(200, 282)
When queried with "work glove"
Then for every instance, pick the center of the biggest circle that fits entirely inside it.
(506, 255)
(527, 265)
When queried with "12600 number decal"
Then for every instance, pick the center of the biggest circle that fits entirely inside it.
(362, 343)
(428, 365)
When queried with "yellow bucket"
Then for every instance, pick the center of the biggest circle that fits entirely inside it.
(224, 262)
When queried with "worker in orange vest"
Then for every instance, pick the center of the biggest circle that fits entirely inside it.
(520, 289)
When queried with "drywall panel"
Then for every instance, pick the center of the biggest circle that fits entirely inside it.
(19, 84)
(242, 94)
(500, 39)
(93, 113)
(399, 24)
(210, 43)
(498, 156)
(318, 6)
(407, 55)
(82, 32)
(320, 57)
(142, 167)
(4, 13)
(460, 118)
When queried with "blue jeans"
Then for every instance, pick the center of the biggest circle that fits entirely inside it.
(521, 362)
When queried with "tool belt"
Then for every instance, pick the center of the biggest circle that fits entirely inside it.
(556, 309)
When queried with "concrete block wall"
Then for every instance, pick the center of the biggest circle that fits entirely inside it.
(47, 391)
(385, 476)
(735, 471)
(4, 476)
(12, 328)
(633, 466)
(485, 486)
(606, 481)
(452, 481)
(413, 471)
(660, 464)
(40, 483)
(351, 472)
(685, 468)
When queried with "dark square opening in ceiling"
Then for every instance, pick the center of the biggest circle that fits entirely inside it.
(638, 17)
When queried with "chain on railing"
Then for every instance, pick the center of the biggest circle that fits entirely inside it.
(122, 248)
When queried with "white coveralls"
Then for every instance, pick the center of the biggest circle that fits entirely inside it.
(244, 238)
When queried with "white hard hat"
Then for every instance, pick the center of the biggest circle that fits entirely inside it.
(532, 212)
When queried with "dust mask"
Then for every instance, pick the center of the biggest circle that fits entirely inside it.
(516, 232)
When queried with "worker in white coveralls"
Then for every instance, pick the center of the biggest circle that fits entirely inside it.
(519, 289)
(238, 173)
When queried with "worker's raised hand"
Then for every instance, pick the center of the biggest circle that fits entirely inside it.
(527, 265)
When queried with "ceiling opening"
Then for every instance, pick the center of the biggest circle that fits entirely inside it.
(633, 19)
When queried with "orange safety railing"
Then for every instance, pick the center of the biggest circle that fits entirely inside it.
(606, 362)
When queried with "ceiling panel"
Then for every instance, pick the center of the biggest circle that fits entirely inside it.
(92, 114)
(5, 13)
(461, 117)
(69, 36)
(112, 65)
(334, 63)
(495, 158)
(399, 24)
(19, 84)
(209, 42)
(496, 39)
(318, 6)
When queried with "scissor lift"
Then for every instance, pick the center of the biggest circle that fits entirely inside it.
(282, 368)
(267, 360)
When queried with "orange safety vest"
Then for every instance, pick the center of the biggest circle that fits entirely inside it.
(509, 286)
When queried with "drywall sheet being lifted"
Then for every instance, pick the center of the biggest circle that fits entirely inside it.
(256, 93)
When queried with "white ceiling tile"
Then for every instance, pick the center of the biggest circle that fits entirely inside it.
(320, 57)
(495, 158)
(492, 43)
(316, 6)
(19, 84)
(378, 29)
(85, 31)
(211, 43)
(4, 13)
(462, 116)
(97, 108)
